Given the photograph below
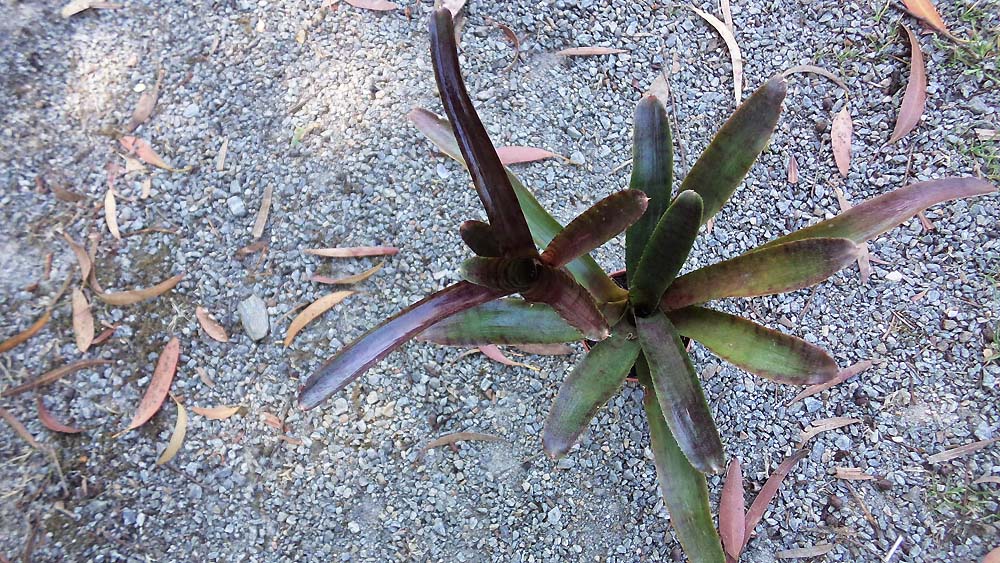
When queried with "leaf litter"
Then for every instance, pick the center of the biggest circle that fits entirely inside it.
(147, 102)
(732, 511)
(134, 296)
(54, 375)
(352, 251)
(348, 280)
(493, 352)
(159, 385)
(841, 377)
(177, 437)
(20, 429)
(824, 425)
(83, 321)
(51, 422)
(734, 51)
(455, 437)
(111, 213)
(211, 327)
(759, 505)
(217, 413)
(960, 451)
(518, 155)
(589, 51)
(915, 95)
(314, 310)
(864, 254)
(145, 153)
(265, 208)
(840, 137)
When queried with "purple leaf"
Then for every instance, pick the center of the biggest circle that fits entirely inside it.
(595, 226)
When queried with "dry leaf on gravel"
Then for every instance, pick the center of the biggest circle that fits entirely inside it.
(211, 327)
(145, 152)
(824, 425)
(759, 505)
(925, 10)
(545, 349)
(220, 159)
(81, 257)
(589, 51)
(83, 321)
(840, 135)
(517, 155)
(20, 429)
(315, 309)
(915, 95)
(987, 479)
(798, 69)
(793, 170)
(514, 42)
(53, 375)
(492, 352)
(734, 51)
(217, 413)
(376, 5)
(50, 422)
(864, 255)
(454, 6)
(449, 439)
(147, 102)
(732, 511)
(805, 552)
(159, 385)
(353, 251)
(74, 7)
(347, 280)
(133, 296)
(111, 213)
(177, 438)
(25, 334)
(852, 474)
(265, 208)
(993, 556)
(842, 376)
(960, 451)
(988, 134)
(204, 377)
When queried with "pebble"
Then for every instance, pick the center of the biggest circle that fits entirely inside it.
(254, 317)
(236, 206)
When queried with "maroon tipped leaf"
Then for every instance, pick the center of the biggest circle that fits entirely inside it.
(484, 165)
(595, 226)
(557, 289)
(480, 238)
(348, 364)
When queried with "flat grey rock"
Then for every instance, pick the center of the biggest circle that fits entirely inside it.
(253, 316)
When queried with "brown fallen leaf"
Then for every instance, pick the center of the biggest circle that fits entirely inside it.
(204, 377)
(852, 474)
(864, 256)
(988, 134)
(589, 51)
(159, 385)
(74, 7)
(251, 248)
(265, 208)
(353, 252)
(376, 5)
(50, 422)
(25, 334)
(145, 152)
(915, 95)
(732, 511)
(20, 429)
(805, 552)
(517, 154)
(514, 41)
(960, 451)
(987, 479)
(993, 556)
(315, 309)
(454, 437)
(545, 349)
(177, 437)
(53, 375)
(273, 421)
(793, 170)
(842, 376)
(220, 159)
(453, 6)
(104, 336)
(110, 214)
(926, 12)
(81, 257)
(217, 413)
(816, 70)
(824, 425)
(147, 102)
(210, 325)
(759, 505)
(347, 280)
(734, 51)
(492, 352)
(66, 195)
(840, 136)
(134, 296)
(83, 321)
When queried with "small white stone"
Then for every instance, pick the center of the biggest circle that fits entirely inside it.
(353, 527)
(894, 277)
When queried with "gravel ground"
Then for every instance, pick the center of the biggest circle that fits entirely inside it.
(350, 484)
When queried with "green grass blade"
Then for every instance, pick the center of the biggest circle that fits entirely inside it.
(666, 251)
(507, 321)
(652, 173)
(543, 226)
(679, 393)
(732, 152)
(590, 385)
(595, 226)
(868, 220)
(757, 349)
(684, 489)
(775, 269)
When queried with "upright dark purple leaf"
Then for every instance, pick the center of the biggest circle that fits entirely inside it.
(348, 364)
(484, 164)
(574, 304)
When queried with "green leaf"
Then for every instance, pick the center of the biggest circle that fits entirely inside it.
(868, 220)
(574, 304)
(679, 393)
(507, 321)
(542, 225)
(732, 152)
(488, 174)
(480, 238)
(775, 269)
(595, 226)
(652, 173)
(757, 349)
(666, 251)
(593, 381)
(355, 359)
(684, 490)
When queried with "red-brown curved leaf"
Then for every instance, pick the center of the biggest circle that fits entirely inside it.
(51, 422)
(915, 95)
(732, 511)
(159, 385)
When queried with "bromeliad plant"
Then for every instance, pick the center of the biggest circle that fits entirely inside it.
(565, 296)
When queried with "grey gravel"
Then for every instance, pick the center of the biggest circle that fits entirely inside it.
(348, 481)
(253, 316)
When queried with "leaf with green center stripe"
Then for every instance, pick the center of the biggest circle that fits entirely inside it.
(679, 393)
(595, 226)
(684, 489)
(757, 349)
(543, 226)
(480, 238)
(775, 269)
(666, 251)
(593, 381)
(736, 146)
(507, 321)
(487, 171)
(652, 173)
(868, 220)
